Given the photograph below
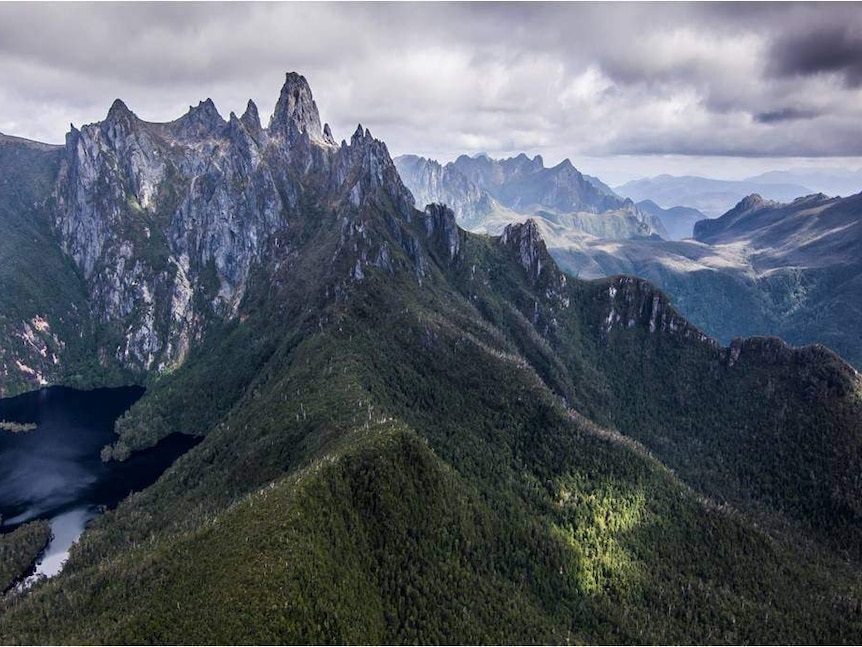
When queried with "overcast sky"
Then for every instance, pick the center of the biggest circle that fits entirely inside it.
(624, 90)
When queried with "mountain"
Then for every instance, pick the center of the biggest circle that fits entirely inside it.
(525, 185)
(430, 182)
(831, 181)
(488, 194)
(46, 330)
(164, 223)
(764, 268)
(412, 433)
(678, 221)
(711, 197)
(738, 286)
(601, 186)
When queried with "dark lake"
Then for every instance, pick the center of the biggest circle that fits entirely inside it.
(55, 472)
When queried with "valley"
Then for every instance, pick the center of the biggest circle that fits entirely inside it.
(55, 471)
(765, 268)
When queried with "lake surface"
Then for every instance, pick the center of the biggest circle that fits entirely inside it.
(55, 472)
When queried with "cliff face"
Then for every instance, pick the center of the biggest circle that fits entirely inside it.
(431, 182)
(487, 194)
(166, 221)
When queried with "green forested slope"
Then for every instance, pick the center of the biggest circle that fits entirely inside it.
(393, 461)
(46, 331)
(19, 550)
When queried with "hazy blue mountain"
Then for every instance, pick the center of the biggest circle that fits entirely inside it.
(831, 181)
(601, 186)
(678, 221)
(711, 197)
(764, 268)
(526, 185)
(487, 194)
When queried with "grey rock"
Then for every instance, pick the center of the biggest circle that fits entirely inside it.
(167, 220)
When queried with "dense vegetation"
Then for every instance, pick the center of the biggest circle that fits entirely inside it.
(453, 462)
(20, 549)
(791, 271)
(43, 307)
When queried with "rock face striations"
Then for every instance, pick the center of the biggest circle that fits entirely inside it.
(165, 221)
(487, 194)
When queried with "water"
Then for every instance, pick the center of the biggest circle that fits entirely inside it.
(66, 528)
(56, 471)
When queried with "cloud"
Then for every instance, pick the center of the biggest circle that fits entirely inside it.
(563, 79)
(835, 49)
(784, 114)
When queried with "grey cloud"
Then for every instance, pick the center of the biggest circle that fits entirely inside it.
(835, 49)
(581, 78)
(785, 114)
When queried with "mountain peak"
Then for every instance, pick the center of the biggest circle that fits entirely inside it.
(812, 198)
(361, 135)
(296, 112)
(205, 111)
(119, 110)
(526, 238)
(753, 201)
(202, 120)
(251, 120)
(327, 134)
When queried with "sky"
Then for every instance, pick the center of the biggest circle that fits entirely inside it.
(624, 90)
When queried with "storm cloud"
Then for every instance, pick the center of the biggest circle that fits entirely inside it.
(835, 49)
(581, 80)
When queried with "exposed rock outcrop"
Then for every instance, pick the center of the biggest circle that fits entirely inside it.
(166, 221)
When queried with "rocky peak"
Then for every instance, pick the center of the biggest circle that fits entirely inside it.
(813, 198)
(751, 207)
(296, 112)
(200, 122)
(526, 240)
(523, 165)
(119, 110)
(327, 135)
(251, 121)
(120, 120)
(361, 137)
(237, 132)
(440, 225)
(377, 172)
(753, 202)
(636, 302)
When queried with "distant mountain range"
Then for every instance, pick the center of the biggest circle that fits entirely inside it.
(487, 194)
(777, 274)
(831, 181)
(712, 197)
(792, 270)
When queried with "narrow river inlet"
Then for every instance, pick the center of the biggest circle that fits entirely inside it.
(55, 471)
